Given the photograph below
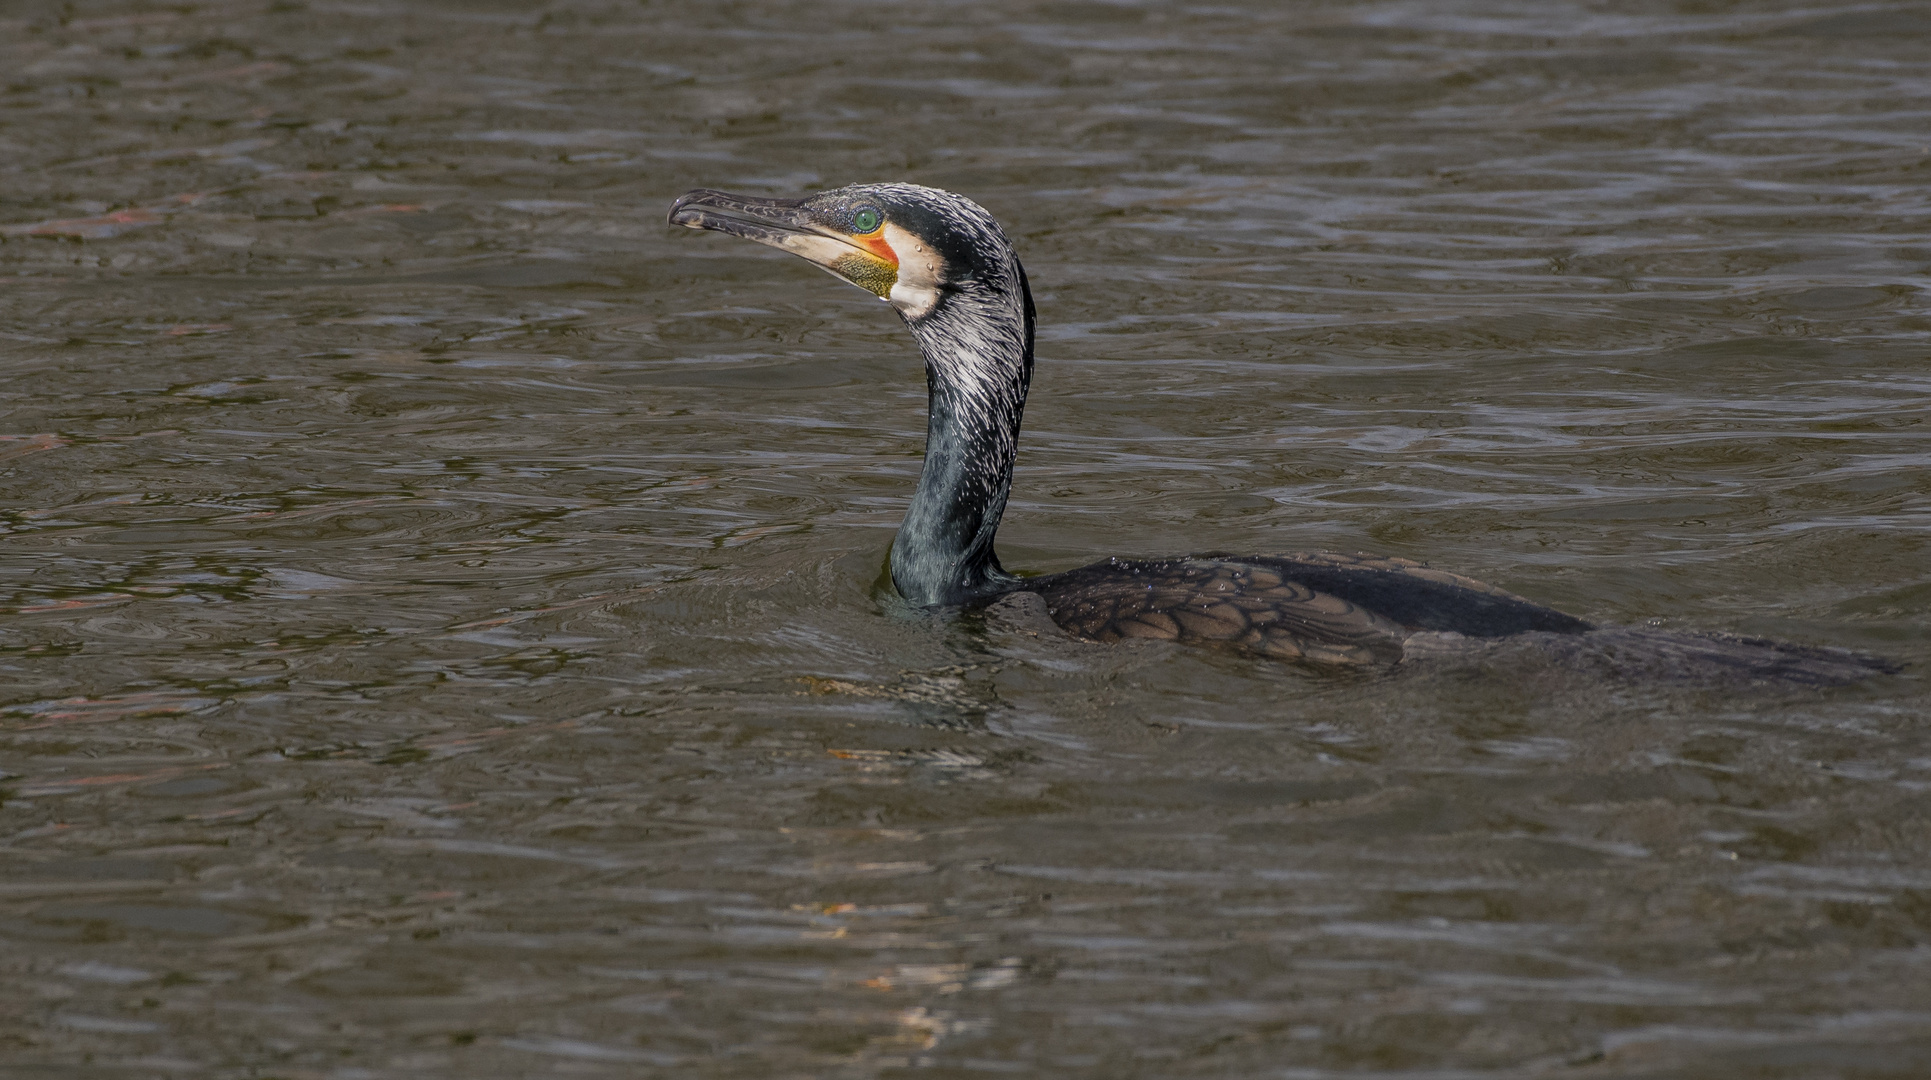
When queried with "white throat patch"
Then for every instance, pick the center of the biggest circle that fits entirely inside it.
(916, 292)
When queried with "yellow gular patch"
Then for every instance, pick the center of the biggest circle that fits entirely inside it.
(868, 272)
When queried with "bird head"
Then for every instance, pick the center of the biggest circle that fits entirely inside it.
(914, 247)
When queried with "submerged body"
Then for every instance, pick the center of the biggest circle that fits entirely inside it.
(946, 267)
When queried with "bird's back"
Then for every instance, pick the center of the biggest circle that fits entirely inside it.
(1323, 607)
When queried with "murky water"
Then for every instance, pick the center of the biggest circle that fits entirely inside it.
(443, 625)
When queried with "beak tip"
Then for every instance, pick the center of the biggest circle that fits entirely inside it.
(682, 213)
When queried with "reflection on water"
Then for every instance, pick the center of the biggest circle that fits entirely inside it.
(443, 631)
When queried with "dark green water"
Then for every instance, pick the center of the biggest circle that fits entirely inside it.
(441, 627)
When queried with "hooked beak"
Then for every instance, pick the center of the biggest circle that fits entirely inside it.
(867, 262)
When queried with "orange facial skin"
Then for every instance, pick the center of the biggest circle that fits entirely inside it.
(874, 242)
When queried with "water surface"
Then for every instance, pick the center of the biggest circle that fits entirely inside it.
(443, 624)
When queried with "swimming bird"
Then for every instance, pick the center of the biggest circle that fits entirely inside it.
(944, 264)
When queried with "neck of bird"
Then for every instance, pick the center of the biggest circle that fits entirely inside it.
(978, 348)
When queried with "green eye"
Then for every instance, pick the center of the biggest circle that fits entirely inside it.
(865, 219)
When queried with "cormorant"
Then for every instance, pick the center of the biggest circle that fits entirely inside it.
(946, 267)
